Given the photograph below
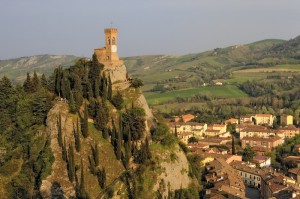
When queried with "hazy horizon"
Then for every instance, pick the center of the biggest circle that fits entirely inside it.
(170, 27)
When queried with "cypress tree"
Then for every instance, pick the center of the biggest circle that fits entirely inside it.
(113, 136)
(233, 147)
(104, 88)
(96, 154)
(71, 163)
(64, 150)
(63, 87)
(92, 165)
(105, 133)
(109, 89)
(119, 146)
(176, 134)
(127, 154)
(85, 130)
(96, 88)
(59, 131)
(68, 89)
(78, 92)
(103, 178)
(72, 105)
(58, 77)
(82, 194)
(77, 139)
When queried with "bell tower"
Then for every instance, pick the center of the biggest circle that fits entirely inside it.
(111, 42)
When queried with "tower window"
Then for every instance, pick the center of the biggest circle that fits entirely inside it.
(108, 40)
(107, 57)
(113, 41)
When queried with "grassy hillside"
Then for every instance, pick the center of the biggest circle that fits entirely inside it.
(16, 69)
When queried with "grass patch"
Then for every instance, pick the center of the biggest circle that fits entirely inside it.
(228, 91)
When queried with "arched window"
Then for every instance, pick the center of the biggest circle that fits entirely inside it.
(108, 40)
(107, 57)
(113, 41)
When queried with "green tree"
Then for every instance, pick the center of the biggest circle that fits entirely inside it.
(82, 194)
(84, 125)
(118, 145)
(44, 82)
(248, 154)
(77, 138)
(109, 89)
(28, 86)
(136, 83)
(117, 100)
(64, 151)
(59, 131)
(35, 82)
(233, 146)
(135, 119)
(72, 105)
(92, 165)
(71, 163)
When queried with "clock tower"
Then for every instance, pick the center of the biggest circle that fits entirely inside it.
(108, 55)
(111, 42)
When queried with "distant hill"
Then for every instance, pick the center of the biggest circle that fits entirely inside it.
(179, 72)
(16, 69)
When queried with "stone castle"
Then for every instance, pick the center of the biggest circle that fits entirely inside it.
(108, 56)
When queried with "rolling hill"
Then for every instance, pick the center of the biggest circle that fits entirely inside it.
(169, 76)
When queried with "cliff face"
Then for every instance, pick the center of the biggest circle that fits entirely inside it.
(116, 74)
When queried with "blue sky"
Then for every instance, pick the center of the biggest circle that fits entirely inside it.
(32, 27)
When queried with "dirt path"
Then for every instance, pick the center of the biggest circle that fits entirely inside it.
(59, 167)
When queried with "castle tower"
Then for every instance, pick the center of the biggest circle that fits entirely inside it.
(108, 55)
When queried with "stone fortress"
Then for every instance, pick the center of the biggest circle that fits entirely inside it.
(108, 56)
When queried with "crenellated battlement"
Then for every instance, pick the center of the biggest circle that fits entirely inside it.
(110, 30)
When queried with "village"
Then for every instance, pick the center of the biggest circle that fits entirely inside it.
(225, 171)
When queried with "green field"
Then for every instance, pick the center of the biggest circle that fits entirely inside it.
(228, 91)
(288, 66)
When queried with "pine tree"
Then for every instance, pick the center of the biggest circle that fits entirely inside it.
(44, 82)
(59, 131)
(35, 82)
(27, 86)
(85, 131)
